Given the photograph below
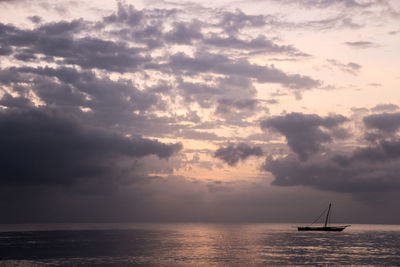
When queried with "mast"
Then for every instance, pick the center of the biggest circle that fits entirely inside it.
(327, 215)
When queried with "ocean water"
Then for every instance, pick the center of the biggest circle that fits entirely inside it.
(196, 244)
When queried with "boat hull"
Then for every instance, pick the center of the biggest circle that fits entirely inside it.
(322, 228)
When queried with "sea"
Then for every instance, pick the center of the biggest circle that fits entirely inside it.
(197, 244)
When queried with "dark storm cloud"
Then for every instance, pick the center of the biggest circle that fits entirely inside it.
(44, 146)
(15, 102)
(361, 44)
(232, 154)
(5, 50)
(303, 132)
(25, 57)
(328, 175)
(207, 62)
(157, 199)
(9, 76)
(63, 74)
(385, 151)
(361, 171)
(385, 122)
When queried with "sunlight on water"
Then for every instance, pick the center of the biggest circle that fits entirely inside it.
(196, 244)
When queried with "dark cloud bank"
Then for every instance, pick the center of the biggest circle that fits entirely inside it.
(369, 172)
(304, 132)
(49, 147)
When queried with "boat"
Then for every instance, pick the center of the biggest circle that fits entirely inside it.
(325, 227)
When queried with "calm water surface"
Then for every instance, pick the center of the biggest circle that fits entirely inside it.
(197, 244)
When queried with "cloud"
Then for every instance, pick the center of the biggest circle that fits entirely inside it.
(337, 22)
(232, 154)
(238, 111)
(260, 44)
(361, 44)
(9, 101)
(330, 3)
(385, 122)
(96, 53)
(9, 76)
(45, 146)
(56, 40)
(168, 199)
(351, 67)
(385, 107)
(303, 132)
(237, 87)
(233, 22)
(384, 151)
(140, 26)
(225, 105)
(393, 32)
(62, 27)
(25, 57)
(35, 19)
(5, 50)
(183, 33)
(198, 135)
(326, 174)
(208, 62)
(111, 102)
(11, 1)
(365, 172)
(126, 14)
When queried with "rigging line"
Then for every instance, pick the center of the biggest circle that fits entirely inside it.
(319, 216)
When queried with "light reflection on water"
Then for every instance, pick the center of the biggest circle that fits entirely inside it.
(197, 244)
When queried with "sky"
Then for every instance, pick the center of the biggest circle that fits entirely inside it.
(199, 111)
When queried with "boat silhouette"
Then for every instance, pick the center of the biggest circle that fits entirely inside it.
(326, 227)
